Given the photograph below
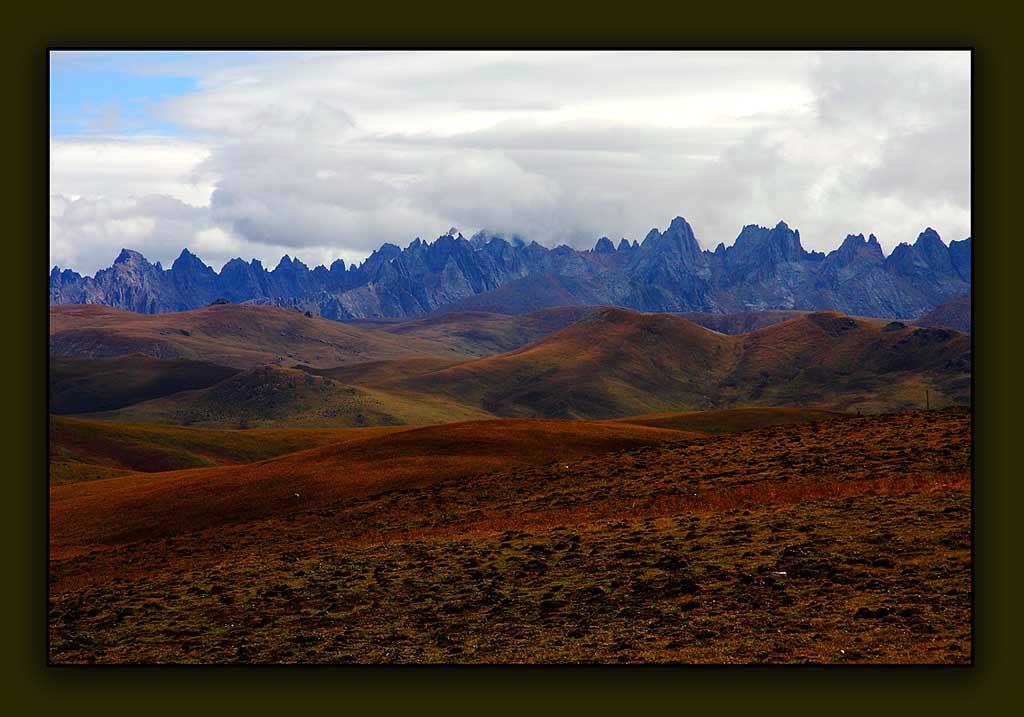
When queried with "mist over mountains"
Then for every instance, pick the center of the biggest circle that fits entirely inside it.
(766, 268)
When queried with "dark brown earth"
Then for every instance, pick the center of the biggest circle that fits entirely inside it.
(840, 540)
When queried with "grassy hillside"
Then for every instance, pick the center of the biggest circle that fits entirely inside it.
(731, 420)
(79, 385)
(617, 363)
(99, 449)
(613, 363)
(240, 336)
(271, 396)
(953, 314)
(609, 364)
(842, 541)
(377, 373)
(830, 359)
(476, 333)
(740, 322)
(64, 472)
(175, 501)
(82, 450)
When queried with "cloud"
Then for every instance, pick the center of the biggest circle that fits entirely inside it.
(129, 166)
(331, 154)
(81, 229)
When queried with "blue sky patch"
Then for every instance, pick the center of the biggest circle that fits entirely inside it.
(112, 93)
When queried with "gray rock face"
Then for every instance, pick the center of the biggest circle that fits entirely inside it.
(765, 268)
(960, 255)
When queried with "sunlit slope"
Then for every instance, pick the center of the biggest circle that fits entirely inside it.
(241, 336)
(150, 448)
(124, 509)
(731, 420)
(618, 363)
(613, 363)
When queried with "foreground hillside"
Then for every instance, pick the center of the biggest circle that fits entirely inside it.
(166, 503)
(88, 450)
(730, 420)
(843, 539)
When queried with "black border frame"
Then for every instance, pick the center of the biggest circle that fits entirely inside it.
(316, 665)
(989, 684)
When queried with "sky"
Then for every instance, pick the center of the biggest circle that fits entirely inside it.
(327, 155)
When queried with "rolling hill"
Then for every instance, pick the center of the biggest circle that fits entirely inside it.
(378, 373)
(168, 503)
(478, 333)
(79, 385)
(953, 314)
(742, 322)
(98, 449)
(840, 541)
(731, 420)
(618, 362)
(836, 361)
(613, 363)
(239, 336)
(276, 397)
(608, 364)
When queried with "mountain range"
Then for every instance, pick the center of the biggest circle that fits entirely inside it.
(764, 269)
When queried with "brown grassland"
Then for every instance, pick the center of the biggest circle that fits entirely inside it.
(238, 336)
(582, 484)
(761, 535)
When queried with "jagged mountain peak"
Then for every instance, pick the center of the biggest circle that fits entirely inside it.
(189, 262)
(652, 236)
(290, 266)
(679, 224)
(387, 250)
(130, 256)
(928, 236)
(765, 268)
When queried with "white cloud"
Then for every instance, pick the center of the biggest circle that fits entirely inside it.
(328, 155)
(129, 166)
